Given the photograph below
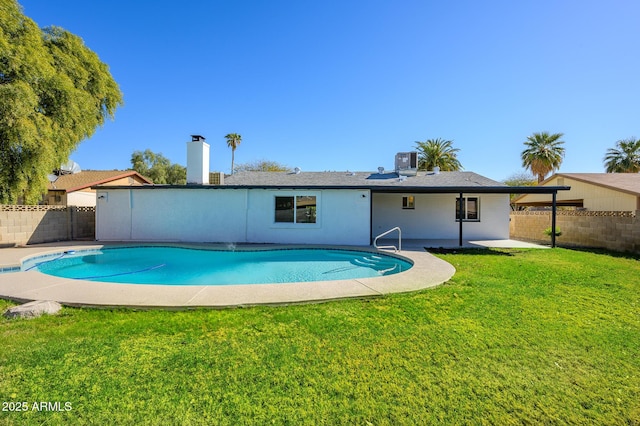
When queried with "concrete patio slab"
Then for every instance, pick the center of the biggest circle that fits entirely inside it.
(416, 244)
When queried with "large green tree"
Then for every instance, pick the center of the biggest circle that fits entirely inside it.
(54, 93)
(625, 158)
(233, 140)
(158, 168)
(543, 153)
(438, 153)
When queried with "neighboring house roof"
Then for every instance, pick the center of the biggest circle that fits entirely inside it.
(88, 178)
(628, 183)
(625, 182)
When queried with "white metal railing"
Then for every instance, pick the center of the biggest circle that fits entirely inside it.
(399, 248)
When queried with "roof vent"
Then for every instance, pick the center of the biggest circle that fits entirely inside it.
(436, 170)
(380, 170)
(297, 170)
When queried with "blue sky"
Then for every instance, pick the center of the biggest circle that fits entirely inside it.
(344, 85)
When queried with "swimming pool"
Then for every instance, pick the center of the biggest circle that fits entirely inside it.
(188, 266)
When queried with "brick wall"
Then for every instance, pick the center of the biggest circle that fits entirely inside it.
(40, 224)
(619, 231)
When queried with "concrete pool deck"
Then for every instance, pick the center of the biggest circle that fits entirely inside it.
(427, 271)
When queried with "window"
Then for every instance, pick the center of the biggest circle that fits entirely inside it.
(284, 209)
(298, 209)
(409, 202)
(306, 209)
(470, 210)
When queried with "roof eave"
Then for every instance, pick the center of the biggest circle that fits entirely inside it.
(378, 189)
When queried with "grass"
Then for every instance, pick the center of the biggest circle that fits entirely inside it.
(516, 337)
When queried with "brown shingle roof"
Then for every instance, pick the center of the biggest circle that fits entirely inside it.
(626, 182)
(87, 178)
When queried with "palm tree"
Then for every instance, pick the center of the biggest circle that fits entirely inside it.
(233, 140)
(624, 159)
(544, 153)
(437, 153)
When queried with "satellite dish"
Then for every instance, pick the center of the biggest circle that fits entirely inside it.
(70, 167)
(52, 178)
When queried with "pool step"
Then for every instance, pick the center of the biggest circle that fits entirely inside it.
(376, 262)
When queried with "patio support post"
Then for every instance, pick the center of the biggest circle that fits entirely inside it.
(553, 220)
(460, 210)
(370, 218)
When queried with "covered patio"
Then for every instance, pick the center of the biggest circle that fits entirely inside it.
(462, 191)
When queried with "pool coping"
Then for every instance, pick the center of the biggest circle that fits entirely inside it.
(427, 271)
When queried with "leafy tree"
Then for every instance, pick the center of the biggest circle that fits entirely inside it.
(543, 153)
(158, 168)
(625, 158)
(438, 153)
(262, 166)
(54, 93)
(176, 174)
(519, 179)
(233, 140)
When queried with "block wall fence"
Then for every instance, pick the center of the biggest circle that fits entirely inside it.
(612, 230)
(20, 225)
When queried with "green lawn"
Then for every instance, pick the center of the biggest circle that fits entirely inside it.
(516, 337)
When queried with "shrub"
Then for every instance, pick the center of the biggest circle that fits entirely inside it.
(548, 232)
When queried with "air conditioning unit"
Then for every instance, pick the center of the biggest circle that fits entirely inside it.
(407, 163)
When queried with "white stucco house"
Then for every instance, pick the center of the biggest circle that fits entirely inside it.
(306, 207)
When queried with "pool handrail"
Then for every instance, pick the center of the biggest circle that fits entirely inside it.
(396, 249)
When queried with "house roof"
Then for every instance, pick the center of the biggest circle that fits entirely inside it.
(423, 182)
(625, 182)
(88, 178)
(359, 180)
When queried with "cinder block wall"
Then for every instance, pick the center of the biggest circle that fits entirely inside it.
(83, 223)
(20, 225)
(619, 231)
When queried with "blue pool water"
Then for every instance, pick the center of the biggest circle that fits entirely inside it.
(185, 266)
